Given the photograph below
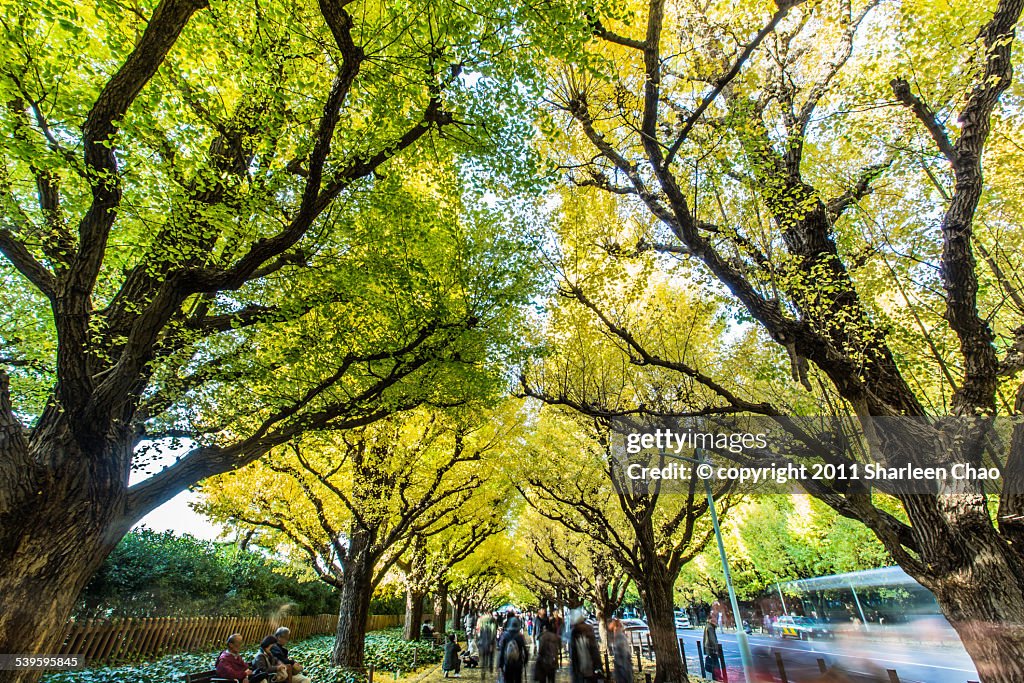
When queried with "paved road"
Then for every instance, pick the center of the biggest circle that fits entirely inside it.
(913, 663)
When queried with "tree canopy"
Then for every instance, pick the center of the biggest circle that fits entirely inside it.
(385, 280)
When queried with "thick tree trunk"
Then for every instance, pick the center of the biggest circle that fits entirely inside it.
(657, 594)
(441, 605)
(459, 605)
(607, 599)
(356, 591)
(604, 615)
(57, 525)
(413, 614)
(984, 601)
(602, 627)
(41, 584)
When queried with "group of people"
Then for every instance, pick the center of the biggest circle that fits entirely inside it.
(500, 642)
(271, 664)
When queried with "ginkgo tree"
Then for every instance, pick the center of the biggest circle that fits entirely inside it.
(353, 502)
(232, 222)
(778, 538)
(572, 477)
(781, 155)
(490, 577)
(429, 560)
(565, 568)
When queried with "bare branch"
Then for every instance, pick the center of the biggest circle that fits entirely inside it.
(925, 115)
(22, 259)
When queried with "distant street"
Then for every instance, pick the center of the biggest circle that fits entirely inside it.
(914, 663)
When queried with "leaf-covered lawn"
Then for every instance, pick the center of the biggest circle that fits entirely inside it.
(385, 651)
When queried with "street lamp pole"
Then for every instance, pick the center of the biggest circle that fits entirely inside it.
(741, 635)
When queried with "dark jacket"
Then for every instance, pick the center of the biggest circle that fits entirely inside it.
(451, 656)
(264, 667)
(547, 653)
(485, 639)
(281, 654)
(584, 657)
(711, 647)
(513, 633)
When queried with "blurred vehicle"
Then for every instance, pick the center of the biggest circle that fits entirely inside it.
(682, 621)
(634, 625)
(638, 633)
(802, 666)
(801, 628)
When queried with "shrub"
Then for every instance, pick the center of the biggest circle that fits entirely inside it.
(162, 574)
(385, 651)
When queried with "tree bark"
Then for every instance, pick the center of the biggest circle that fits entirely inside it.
(356, 591)
(413, 613)
(52, 539)
(441, 605)
(657, 595)
(607, 598)
(602, 626)
(58, 552)
(458, 607)
(984, 601)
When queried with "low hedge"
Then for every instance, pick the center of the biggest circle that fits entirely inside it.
(386, 651)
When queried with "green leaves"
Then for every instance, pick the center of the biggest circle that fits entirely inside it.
(386, 651)
(153, 574)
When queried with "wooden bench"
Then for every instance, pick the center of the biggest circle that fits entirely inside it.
(206, 677)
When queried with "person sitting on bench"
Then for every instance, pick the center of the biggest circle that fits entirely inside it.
(280, 651)
(266, 666)
(230, 663)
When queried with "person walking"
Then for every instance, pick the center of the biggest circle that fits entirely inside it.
(622, 655)
(542, 621)
(485, 637)
(711, 662)
(584, 656)
(548, 647)
(512, 653)
(559, 624)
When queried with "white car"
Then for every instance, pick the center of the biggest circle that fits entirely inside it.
(682, 621)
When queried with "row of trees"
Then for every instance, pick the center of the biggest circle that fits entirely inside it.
(759, 218)
(406, 493)
(238, 223)
(304, 237)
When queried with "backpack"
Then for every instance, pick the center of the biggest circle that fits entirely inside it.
(513, 658)
(550, 660)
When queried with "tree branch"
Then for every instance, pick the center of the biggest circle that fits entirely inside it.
(925, 115)
(22, 259)
(724, 81)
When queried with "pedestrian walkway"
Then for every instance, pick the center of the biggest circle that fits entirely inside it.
(479, 675)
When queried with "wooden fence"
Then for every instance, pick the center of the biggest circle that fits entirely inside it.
(103, 641)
